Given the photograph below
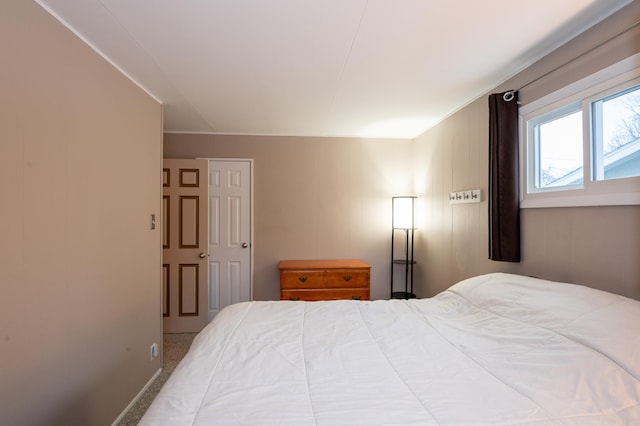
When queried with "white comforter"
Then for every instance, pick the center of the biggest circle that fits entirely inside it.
(493, 349)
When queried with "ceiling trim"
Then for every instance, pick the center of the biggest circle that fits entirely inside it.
(95, 49)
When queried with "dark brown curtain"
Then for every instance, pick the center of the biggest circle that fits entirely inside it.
(504, 203)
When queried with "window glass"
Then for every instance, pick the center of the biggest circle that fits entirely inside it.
(560, 151)
(556, 158)
(616, 135)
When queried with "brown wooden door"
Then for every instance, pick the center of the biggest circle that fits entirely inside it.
(184, 245)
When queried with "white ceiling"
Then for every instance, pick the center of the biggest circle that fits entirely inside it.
(367, 68)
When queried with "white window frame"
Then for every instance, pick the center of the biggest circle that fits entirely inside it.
(623, 191)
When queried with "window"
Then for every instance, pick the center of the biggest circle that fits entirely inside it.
(581, 145)
(557, 149)
(616, 135)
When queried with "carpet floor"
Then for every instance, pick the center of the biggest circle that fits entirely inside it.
(175, 346)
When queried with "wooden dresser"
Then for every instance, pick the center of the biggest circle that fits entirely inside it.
(313, 280)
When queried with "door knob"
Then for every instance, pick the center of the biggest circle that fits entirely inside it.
(245, 245)
(202, 255)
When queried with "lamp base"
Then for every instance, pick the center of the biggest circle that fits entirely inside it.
(402, 295)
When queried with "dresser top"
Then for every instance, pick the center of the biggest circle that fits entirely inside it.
(323, 264)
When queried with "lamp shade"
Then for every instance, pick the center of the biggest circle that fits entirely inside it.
(403, 214)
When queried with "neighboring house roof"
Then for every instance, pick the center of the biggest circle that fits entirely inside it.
(623, 161)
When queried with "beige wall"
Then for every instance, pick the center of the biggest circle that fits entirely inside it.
(80, 163)
(596, 246)
(314, 198)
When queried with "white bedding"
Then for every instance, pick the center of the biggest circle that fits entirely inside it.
(493, 349)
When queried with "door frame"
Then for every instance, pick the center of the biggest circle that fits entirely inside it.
(251, 229)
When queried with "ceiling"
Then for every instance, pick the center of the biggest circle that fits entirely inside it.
(361, 68)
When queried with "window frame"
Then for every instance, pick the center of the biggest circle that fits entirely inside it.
(621, 191)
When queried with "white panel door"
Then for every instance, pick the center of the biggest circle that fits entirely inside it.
(184, 242)
(229, 233)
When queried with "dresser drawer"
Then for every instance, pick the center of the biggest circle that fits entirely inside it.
(302, 279)
(329, 294)
(350, 278)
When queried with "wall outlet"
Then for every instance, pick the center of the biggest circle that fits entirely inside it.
(154, 350)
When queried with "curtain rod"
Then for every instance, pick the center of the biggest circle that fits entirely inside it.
(509, 94)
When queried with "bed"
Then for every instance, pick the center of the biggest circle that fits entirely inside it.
(493, 349)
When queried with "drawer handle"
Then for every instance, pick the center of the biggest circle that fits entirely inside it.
(347, 278)
(293, 298)
(356, 297)
(302, 279)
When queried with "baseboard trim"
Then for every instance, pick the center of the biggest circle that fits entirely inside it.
(137, 397)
